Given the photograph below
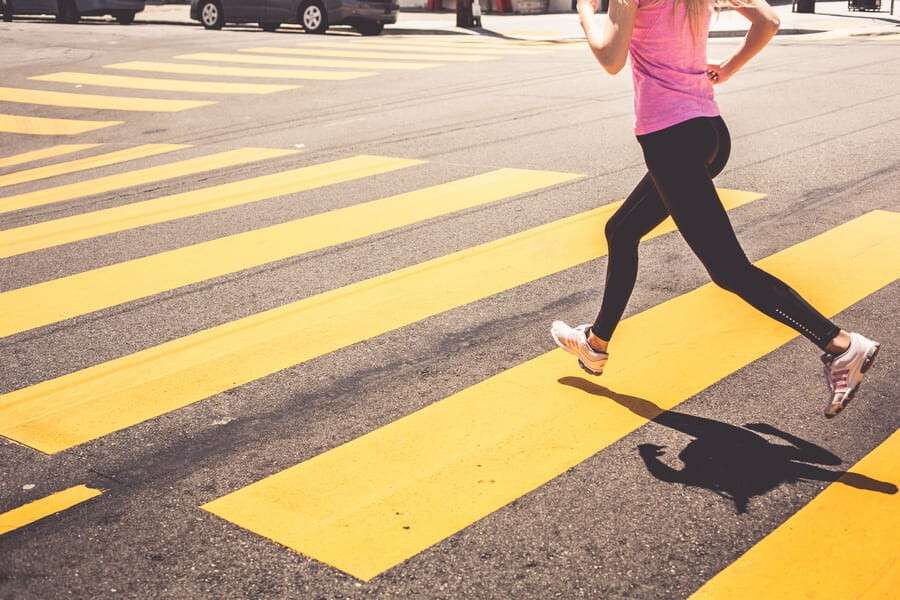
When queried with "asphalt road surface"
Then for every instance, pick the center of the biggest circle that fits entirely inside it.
(285, 334)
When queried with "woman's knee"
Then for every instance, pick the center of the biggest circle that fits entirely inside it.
(617, 235)
(733, 277)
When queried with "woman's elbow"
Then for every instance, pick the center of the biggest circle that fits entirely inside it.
(766, 27)
(614, 66)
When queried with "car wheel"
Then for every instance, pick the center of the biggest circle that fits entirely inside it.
(6, 7)
(313, 17)
(125, 17)
(269, 26)
(369, 27)
(67, 12)
(211, 15)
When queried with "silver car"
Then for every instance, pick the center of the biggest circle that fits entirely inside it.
(71, 11)
(315, 16)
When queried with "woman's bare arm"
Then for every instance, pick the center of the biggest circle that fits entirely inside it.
(764, 24)
(610, 47)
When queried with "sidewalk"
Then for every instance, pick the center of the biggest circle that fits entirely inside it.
(832, 19)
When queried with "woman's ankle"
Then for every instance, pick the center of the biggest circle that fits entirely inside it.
(596, 343)
(839, 344)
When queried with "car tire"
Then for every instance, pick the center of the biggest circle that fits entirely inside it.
(313, 17)
(369, 27)
(125, 17)
(6, 7)
(265, 26)
(67, 12)
(211, 15)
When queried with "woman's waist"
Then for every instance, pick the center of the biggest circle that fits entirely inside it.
(675, 89)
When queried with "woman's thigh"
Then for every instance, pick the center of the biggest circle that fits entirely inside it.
(678, 164)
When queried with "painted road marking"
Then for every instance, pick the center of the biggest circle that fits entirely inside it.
(307, 62)
(44, 126)
(183, 168)
(426, 47)
(68, 99)
(52, 301)
(91, 162)
(44, 507)
(194, 202)
(369, 54)
(842, 544)
(372, 503)
(57, 414)
(182, 69)
(43, 153)
(168, 85)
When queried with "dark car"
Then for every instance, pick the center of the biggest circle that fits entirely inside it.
(71, 11)
(315, 16)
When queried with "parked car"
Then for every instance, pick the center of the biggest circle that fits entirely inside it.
(315, 16)
(71, 11)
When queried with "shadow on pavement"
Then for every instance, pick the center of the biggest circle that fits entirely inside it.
(734, 462)
(100, 21)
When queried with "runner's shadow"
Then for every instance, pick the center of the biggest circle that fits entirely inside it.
(734, 462)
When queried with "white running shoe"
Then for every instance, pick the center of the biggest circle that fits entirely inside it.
(844, 372)
(574, 341)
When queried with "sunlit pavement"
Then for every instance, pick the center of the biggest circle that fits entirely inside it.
(275, 314)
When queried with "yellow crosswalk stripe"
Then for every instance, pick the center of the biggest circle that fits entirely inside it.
(369, 54)
(500, 51)
(44, 153)
(305, 62)
(91, 162)
(167, 85)
(842, 544)
(68, 99)
(120, 181)
(44, 507)
(64, 412)
(218, 71)
(194, 202)
(52, 301)
(372, 503)
(46, 126)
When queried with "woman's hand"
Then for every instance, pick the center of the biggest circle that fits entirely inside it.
(764, 25)
(588, 7)
(717, 72)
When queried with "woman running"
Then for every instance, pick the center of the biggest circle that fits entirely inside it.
(685, 144)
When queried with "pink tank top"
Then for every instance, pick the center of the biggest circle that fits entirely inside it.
(668, 67)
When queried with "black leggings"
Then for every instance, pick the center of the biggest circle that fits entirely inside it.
(682, 160)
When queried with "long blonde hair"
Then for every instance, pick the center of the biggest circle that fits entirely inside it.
(694, 10)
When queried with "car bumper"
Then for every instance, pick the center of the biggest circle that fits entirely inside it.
(381, 17)
(105, 6)
(384, 12)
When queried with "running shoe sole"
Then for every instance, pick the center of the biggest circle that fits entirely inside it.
(587, 370)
